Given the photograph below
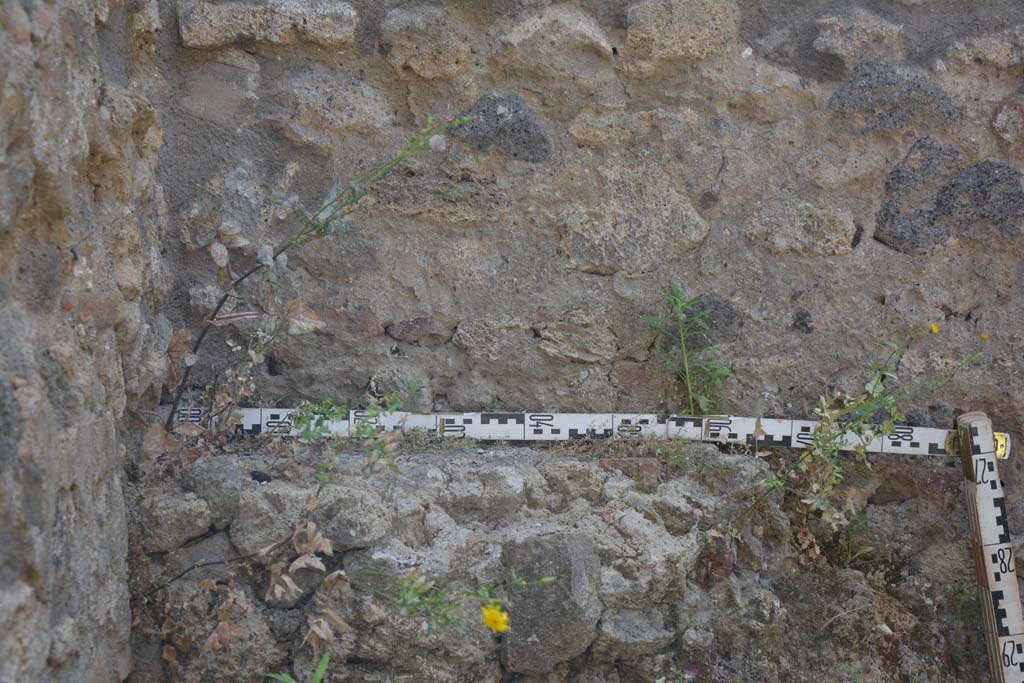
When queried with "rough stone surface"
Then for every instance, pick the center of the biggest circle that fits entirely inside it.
(800, 227)
(555, 625)
(653, 159)
(568, 54)
(328, 23)
(174, 518)
(904, 223)
(642, 586)
(629, 634)
(1008, 121)
(82, 343)
(348, 517)
(619, 546)
(1002, 50)
(216, 481)
(749, 153)
(884, 97)
(859, 36)
(607, 239)
(670, 31)
(323, 114)
(986, 196)
(424, 40)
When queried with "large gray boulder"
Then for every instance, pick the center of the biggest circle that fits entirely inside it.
(552, 624)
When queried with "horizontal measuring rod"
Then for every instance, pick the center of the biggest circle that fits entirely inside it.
(750, 431)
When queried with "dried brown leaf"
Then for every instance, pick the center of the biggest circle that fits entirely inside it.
(281, 587)
(335, 581)
(219, 253)
(307, 562)
(809, 550)
(285, 590)
(222, 636)
(176, 351)
(309, 541)
(182, 641)
(301, 318)
(221, 401)
(169, 654)
(168, 626)
(319, 634)
(232, 240)
(188, 429)
(234, 601)
(157, 441)
(336, 622)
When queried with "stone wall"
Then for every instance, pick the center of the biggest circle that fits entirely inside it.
(81, 345)
(828, 175)
(649, 586)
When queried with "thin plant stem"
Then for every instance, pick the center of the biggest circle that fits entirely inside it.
(314, 227)
(681, 323)
(213, 563)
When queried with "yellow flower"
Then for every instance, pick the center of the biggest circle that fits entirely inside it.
(495, 617)
(984, 336)
(933, 328)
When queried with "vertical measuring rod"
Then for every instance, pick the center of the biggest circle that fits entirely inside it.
(998, 592)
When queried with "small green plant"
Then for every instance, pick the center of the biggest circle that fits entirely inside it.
(853, 673)
(420, 596)
(674, 674)
(318, 675)
(381, 446)
(964, 608)
(854, 549)
(683, 348)
(844, 420)
(313, 422)
(851, 422)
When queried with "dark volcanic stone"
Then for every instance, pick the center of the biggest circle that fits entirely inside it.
(802, 322)
(784, 31)
(891, 97)
(930, 199)
(722, 317)
(983, 196)
(506, 123)
(906, 221)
